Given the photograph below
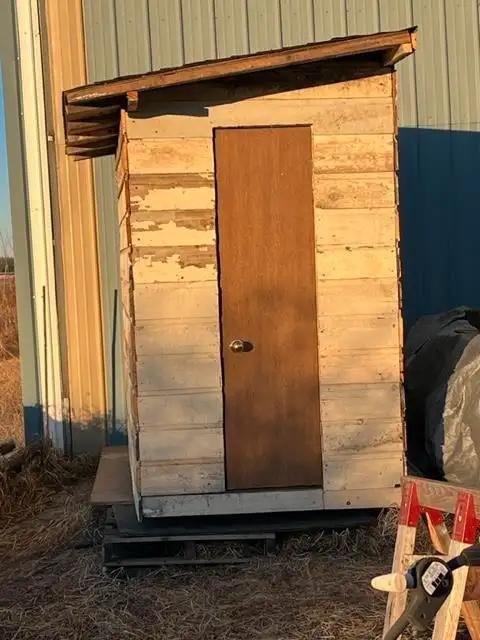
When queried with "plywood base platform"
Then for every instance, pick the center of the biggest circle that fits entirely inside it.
(113, 484)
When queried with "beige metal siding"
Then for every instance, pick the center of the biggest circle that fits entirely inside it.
(76, 217)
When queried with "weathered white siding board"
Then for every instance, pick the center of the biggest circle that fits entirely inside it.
(360, 366)
(175, 372)
(344, 333)
(359, 296)
(194, 407)
(355, 402)
(363, 436)
(173, 155)
(355, 227)
(353, 153)
(156, 337)
(354, 190)
(340, 263)
(359, 498)
(196, 476)
(371, 471)
(181, 443)
(176, 300)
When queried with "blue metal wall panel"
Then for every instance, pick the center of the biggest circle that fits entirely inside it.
(438, 102)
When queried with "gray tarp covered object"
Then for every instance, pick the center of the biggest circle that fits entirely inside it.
(442, 389)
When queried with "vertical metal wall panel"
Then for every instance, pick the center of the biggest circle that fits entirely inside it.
(166, 33)
(264, 25)
(297, 22)
(101, 39)
(133, 36)
(330, 19)
(199, 36)
(438, 101)
(231, 27)
(397, 15)
(362, 16)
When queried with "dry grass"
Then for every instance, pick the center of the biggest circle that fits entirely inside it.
(11, 411)
(53, 588)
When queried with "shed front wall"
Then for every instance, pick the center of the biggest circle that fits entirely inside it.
(175, 275)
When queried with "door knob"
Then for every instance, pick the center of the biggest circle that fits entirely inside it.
(237, 346)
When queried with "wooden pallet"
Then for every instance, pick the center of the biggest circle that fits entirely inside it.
(174, 548)
(434, 500)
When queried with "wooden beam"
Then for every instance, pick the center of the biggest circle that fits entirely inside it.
(241, 64)
(132, 100)
(395, 54)
(93, 142)
(91, 127)
(87, 112)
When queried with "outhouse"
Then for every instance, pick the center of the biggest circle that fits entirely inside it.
(258, 226)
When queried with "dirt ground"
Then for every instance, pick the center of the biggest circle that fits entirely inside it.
(52, 586)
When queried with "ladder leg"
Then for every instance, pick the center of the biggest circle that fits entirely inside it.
(446, 623)
(404, 547)
(470, 611)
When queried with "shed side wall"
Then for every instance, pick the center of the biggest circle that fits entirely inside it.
(175, 274)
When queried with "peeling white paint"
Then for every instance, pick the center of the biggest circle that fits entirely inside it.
(144, 234)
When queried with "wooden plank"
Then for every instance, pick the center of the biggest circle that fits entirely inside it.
(341, 403)
(360, 498)
(234, 502)
(267, 280)
(181, 408)
(363, 436)
(355, 227)
(172, 155)
(173, 194)
(447, 619)
(154, 337)
(174, 264)
(471, 609)
(365, 296)
(181, 443)
(341, 333)
(347, 367)
(241, 64)
(197, 476)
(354, 190)
(442, 495)
(353, 153)
(404, 548)
(112, 482)
(89, 112)
(173, 228)
(370, 471)
(326, 116)
(176, 300)
(179, 372)
(340, 263)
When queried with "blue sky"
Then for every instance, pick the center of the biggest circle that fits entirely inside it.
(5, 223)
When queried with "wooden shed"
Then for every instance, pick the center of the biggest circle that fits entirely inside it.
(258, 225)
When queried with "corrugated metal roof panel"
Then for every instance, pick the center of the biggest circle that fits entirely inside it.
(199, 35)
(362, 16)
(166, 34)
(133, 36)
(297, 22)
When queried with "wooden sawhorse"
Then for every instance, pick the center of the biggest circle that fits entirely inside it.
(434, 500)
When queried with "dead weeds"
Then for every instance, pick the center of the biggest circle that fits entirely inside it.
(53, 588)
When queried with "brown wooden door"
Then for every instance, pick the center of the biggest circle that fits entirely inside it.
(267, 277)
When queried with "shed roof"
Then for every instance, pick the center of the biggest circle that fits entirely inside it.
(92, 112)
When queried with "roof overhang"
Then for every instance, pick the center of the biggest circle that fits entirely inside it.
(91, 112)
